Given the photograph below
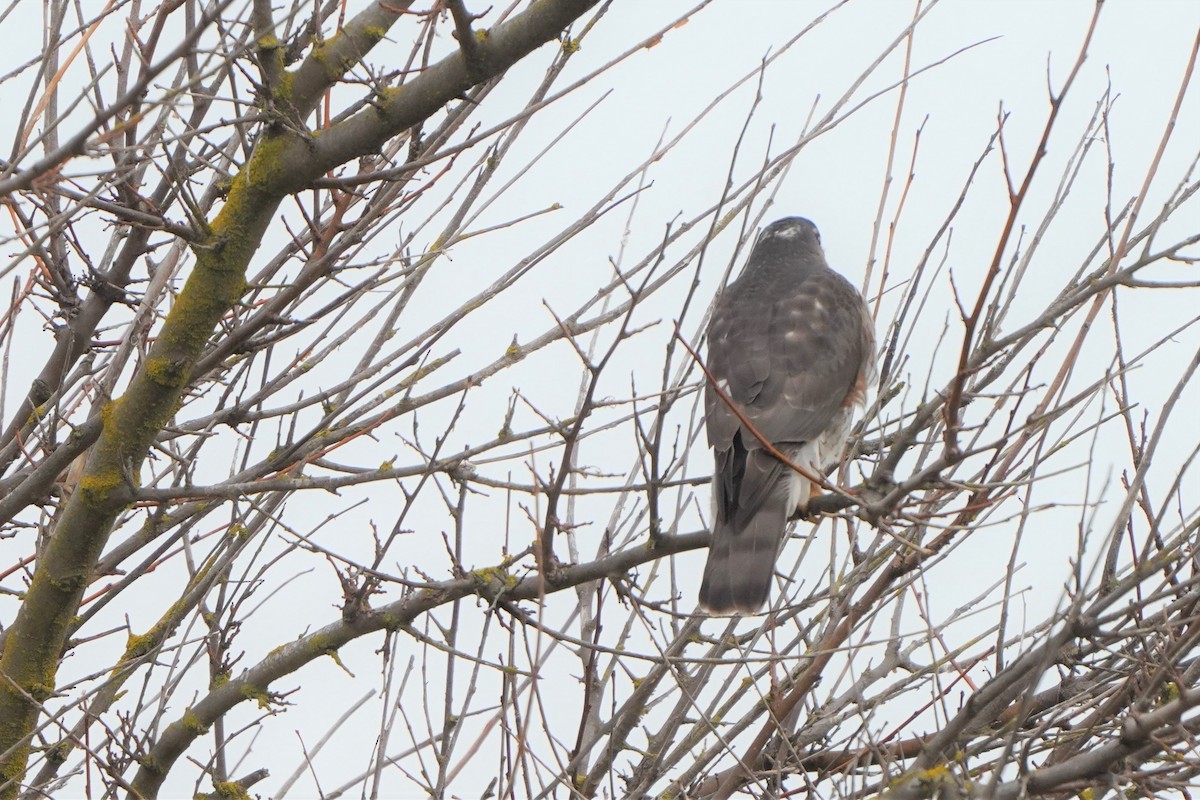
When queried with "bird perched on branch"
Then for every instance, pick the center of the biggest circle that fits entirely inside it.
(791, 352)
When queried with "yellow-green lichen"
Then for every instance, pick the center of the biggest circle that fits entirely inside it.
(41, 691)
(35, 416)
(225, 791)
(930, 780)
(193, 724)
(137, 646)
(12, 768)
(387, 95)
(67, 583)
(337, 659)
(321, 645)
(570, 46)
(260, 696)
(97, 489)
(166, 372)
(331, 57)
(265, 165)
(109, 413)
(489, 576)
(285, 87)
(1168, 693)
(229, 790)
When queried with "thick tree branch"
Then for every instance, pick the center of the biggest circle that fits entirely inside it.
(281, 163)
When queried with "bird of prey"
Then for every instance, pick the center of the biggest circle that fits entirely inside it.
(791, 345)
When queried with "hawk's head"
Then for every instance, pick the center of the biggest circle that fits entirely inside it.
(791, 242)
(795, 230)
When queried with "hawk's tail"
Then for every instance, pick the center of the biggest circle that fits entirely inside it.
(741, 561)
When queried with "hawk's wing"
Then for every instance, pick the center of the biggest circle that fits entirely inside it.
(788, 356)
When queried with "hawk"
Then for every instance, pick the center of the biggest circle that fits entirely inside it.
(792, 345)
